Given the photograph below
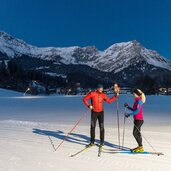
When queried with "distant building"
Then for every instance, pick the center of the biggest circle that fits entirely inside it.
(37, 88)
(164, 91)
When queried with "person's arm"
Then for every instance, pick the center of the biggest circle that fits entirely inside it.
(110, 100)
(137, 110)
(86, 98)
(130, 108)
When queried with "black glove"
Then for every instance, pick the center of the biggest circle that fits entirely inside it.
(126, 105)
(127, 115)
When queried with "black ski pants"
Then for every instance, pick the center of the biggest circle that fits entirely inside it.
(94, 117)
(137, 131)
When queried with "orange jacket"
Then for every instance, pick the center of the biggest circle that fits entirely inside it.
(97, 99)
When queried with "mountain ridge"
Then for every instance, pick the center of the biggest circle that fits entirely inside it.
(115, 58)
(125, 63)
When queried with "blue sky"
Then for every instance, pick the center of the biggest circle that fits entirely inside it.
(101, 23)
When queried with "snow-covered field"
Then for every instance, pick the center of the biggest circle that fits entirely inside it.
(26, 123)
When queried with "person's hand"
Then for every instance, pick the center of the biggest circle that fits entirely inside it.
(117, 94)
(127, 115)
(126, 105)
(116, 89)
(90, 107)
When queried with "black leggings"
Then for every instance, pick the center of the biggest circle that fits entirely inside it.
(94, 117)
(137, 131)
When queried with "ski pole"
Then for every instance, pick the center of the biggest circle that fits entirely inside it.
(124, 129)
(117, 90)
(52, 143)
(145, 139)
(82, 117)
(117, 109)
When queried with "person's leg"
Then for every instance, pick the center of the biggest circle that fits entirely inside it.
(93, 126)
(101, 126)
(137, 131)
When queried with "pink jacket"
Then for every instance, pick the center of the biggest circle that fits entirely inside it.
(138, 109)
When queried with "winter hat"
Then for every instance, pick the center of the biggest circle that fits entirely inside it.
(139, 93)
(99, 86)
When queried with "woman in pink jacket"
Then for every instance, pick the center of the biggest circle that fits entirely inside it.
(137, 113)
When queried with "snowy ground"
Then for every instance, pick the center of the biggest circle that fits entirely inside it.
(26, 123)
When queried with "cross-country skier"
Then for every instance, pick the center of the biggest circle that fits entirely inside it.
(137, 113)
(97, 98)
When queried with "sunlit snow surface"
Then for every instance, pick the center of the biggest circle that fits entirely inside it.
(27, 121)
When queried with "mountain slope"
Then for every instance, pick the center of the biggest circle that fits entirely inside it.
(115, 58)
(124, 62)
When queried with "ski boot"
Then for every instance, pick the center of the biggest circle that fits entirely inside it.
(90, 145)
(101, 145)
(138, 149)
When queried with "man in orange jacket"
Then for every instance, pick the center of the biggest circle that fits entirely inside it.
(97, 98)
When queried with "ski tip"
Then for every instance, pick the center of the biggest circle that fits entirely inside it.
(153, 153)
(160, 154)
(73, 155)
(99, 155)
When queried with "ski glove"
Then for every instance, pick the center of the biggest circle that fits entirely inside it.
(127, 115)
(126, 105)
(90, 107)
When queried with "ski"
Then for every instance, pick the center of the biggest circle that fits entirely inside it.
(83, 150)
(131, 152)
(117, 149)
(100, 151)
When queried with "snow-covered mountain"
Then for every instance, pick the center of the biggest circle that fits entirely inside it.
(114, 59)
(121, 55)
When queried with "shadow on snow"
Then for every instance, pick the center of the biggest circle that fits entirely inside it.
(72, 138)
